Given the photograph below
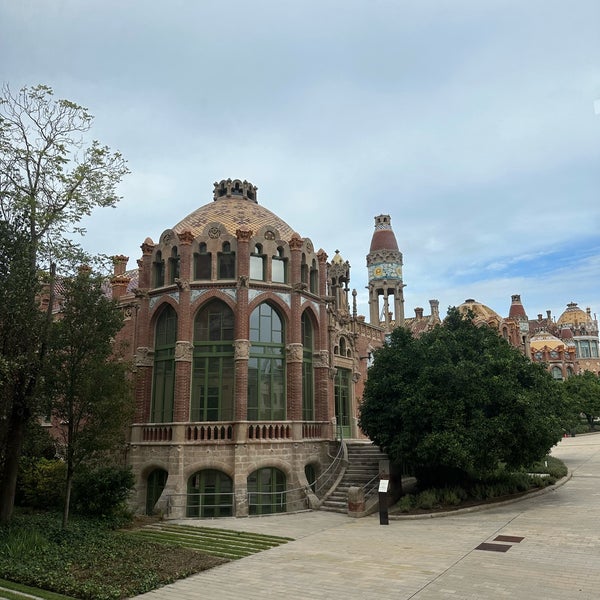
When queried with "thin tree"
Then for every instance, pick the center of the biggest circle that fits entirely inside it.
(86, 381)
(50, 179)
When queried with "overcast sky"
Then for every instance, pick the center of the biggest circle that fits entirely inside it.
(473, 123)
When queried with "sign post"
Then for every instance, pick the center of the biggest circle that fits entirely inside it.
(383, 503)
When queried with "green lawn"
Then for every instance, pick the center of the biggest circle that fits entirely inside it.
(92, 562)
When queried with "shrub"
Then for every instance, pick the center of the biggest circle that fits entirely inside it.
(427, 499)
(102, 491)
(405, 504)
(41, 483)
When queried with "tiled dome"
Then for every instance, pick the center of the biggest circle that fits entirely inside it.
(235, 208)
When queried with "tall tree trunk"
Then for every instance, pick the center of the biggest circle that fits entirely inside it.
(19, 416)
(67, 505)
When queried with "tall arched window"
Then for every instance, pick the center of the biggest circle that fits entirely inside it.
(266, 366)
(308, 379)
(202, 263)
(174, 265)
(342, 401)
(226, 262)
(278, 267)
(314, 277)
(266, 491)
(257, 263)
(213, 370)
(304, 270)
(158, 270)
(163, 385)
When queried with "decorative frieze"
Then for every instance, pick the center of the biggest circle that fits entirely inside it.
(241, 349)
(144, 357)
(294, 352)
(184, 351)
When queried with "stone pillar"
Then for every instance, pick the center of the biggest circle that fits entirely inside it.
(184, 348)
(242, 332)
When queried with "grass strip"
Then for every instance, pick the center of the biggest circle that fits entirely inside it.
(17, 591)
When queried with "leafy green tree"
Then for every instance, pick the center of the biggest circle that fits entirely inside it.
(86, 382)
(21, 328)
(583, 391)
(50, 179)
(458, 402)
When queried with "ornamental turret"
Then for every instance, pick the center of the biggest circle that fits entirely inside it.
(384, 263)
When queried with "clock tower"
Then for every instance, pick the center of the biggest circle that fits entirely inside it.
(384, 263)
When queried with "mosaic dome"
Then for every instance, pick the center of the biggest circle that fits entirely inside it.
(574, 316)
(235, 207)
(481, 311)
(545, 339)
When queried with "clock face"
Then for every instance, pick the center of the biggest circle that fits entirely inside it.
(554, 354)
(385, 271)
(539, 355)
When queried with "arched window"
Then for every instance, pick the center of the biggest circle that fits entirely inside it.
(266, 491)
(257, 263)
(342, 401)
(304, 270)
(278, 267)
(310, 471)
(163, 386)
(174, 265)
(213, 369)
(556, 373)
(308, 378)
(202, 263)
(158, 270)
(226, 262)
(266, 366)
(342, 346)
(209, 494)
(154, 488)
(314, 277)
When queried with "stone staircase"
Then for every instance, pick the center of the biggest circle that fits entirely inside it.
(363, 466)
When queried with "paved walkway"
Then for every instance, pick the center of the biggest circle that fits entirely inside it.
(334, 556)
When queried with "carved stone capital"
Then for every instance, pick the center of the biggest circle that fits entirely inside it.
(294, 352)
(144, 357)
(184, 351)
(296, 242)
(332, 372)
(182, 284)
(140, 293)
(241, 349)
(321, 359)
(242, 281)
(243, 235)
(186, 237)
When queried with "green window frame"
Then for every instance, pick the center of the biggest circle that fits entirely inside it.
(342, 400)
(266, 366)
(266, 491)
(202, 263)
(226, 262)
(308, 378)
(209, 494)
(163, 384)
(212, 397)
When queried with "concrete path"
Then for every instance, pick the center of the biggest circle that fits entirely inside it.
(334, 556)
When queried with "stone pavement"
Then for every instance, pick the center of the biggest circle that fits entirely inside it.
(334, 556)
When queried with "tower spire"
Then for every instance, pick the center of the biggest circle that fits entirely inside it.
(384, 263)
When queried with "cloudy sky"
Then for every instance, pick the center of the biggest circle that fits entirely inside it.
(475, 124)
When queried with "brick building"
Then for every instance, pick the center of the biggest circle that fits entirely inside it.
(250, 360)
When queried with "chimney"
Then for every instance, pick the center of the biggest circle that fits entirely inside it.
(435, 308)
(119, 281)
(419, 313)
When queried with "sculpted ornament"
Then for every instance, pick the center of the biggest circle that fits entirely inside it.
(184, 351)
(182, 284)
(322, 359)
(241, 349)
(144, 357)
(294, 352)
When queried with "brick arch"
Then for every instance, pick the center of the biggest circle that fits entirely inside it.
(276, 303)
(160, 306)
(200, 302)
(208, 464)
